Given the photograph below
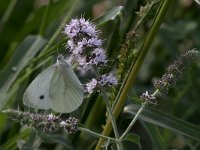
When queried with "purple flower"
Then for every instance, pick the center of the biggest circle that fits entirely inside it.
(84, 44)
(94, 42)
(83, 26)
(105, 80)
(108, 80)
(83, 63)
(51, 117)
(146, 97)
(100, 56)
(91, 86)
(86, 49)
(72, 28)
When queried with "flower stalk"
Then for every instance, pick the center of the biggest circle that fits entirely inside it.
(167, 81)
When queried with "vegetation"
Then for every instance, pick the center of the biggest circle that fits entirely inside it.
(152, 48)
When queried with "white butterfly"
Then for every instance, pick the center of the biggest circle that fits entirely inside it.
(57, 88)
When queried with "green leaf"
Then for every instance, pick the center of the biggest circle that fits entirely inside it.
(11, 142)
(20, 59)
(133, 138)
(148, 11)
(34, 19)
(116, 12)
(157, 140)
(112, 18)
(60, 139)
(164, 120)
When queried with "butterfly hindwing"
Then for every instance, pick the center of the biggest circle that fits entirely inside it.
(37, 93)
(66, 92)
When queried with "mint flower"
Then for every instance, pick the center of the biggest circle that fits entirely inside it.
(83, 26)
(46, 123)
(91, 86)
(86, 49)
(70, 125)
(175, 70)
(104, 80)
(146, 97)
(108, 80)
(84, 43)
(51, 117)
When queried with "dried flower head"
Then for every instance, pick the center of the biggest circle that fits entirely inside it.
(46, 123)
(150, 99)
(70, 125)
(175, 70)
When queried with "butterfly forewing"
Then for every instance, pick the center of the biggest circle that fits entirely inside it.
(66, 92)
(37, 93)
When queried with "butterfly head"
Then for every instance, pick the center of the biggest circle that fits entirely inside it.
(61, 60)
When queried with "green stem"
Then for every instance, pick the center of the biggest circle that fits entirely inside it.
(133, 121)
(7, 14)
(136, 117)
(44, 19)
(96, 134)
(110, 113)
(112, 118)
(108, 107)
(156, 93)
(130, 78)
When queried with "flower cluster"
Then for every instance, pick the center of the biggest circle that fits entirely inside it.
(70, 125)
(104, 80)
(174, 71)
(86, 49)
(84, 43)
(46, 123)
(146, 97)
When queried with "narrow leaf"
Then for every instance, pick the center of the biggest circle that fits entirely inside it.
(20, 59)
(133, 138)
(117, 12)
(166, 121)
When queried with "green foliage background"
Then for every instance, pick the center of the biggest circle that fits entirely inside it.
(30, 34)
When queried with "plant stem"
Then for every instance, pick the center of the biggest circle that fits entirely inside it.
(133, 121)
(130, 78)
(112, 118)
(156, 93)
(113, 121)
(136, 117)
(88, 131)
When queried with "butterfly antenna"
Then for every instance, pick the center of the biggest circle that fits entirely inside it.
(57, 45)
(58, 42)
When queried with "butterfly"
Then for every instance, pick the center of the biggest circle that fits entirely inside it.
(57, 88)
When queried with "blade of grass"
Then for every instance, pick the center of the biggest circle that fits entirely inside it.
(164, 120)
(7, 14)
(23, 54)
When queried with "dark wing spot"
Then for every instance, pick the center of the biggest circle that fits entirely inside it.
(41, 97)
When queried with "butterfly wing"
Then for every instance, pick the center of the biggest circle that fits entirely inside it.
(37, 93)
(66, 91)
